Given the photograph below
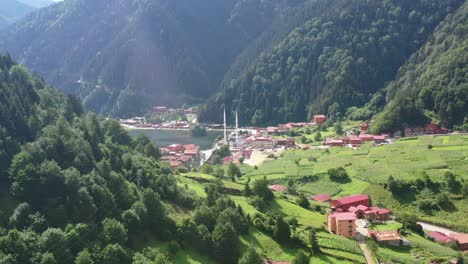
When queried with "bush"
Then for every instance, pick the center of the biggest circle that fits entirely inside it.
(339, 175)
(173, 247)
(303, 202)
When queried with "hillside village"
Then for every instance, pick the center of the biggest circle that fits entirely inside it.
(354, 216)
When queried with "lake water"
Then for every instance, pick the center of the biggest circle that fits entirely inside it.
(165, 137)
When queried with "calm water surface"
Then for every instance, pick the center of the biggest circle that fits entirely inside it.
(167, 137)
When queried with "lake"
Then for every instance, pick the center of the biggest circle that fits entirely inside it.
(165, 137)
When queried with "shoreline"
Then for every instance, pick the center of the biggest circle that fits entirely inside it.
(130, 127)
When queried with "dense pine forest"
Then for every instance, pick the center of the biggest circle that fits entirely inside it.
(433, 83)
(337, 63)
(123, 56)
(83, 191)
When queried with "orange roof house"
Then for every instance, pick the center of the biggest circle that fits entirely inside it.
(388, 237)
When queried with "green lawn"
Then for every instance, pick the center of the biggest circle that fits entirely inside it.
(389, 226)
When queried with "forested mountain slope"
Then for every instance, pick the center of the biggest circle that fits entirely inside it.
(75, 188)
(122, 56)
(338, 60)
(434, 81)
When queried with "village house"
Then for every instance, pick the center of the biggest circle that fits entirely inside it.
(373, 213)
(462, 241)
(277, 188)
(379, 139)
(181, 155)
(334, 142)
(272, 130)
(286, 142)
(391, 238)
(414, 132)
(363, 127)
(263, 143)
(440, 237)
(355, 141)
(193, 151)
(344, 203)
(320, 119)
(366, 137)
(342, 224)
(433, 128)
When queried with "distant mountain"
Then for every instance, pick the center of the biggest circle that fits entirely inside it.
(433, 84)
(122, 56)
(333, 64)
(12, 10)
(37, 3)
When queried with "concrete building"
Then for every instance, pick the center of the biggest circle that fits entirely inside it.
(263, 143)
(320, 119)
(344, 203)
(342, 224)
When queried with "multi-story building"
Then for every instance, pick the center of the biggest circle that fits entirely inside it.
(342, 224)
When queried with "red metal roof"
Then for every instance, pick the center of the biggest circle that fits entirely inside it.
(353, 199)
(440, 237)
(344, 216)
(277, 188)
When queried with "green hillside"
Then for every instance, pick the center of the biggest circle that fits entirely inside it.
(434, 81)
(337, 60)
(305, 172)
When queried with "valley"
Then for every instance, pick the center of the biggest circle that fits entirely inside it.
(233, 132)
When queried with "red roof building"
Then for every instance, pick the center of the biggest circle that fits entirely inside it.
(433, 128)
(175, 148)
(272, 130)
(321, 198)
(277, 188)
(440, 237)
(320, 119)
(378, 139)
(345, 203)
(366, 137)
(342, 224)
(355, 141)
(287, 142)
(337, 142)
(462, 241)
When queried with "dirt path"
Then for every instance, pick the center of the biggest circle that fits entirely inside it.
(443, 230)
(370, 259)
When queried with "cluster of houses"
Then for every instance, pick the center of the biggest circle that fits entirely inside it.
(429, 129)
(357, 140)
(178, 155)
(345, 211)
(460, 239)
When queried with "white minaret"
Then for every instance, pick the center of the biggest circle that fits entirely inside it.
(237, 129)
(225, 132)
